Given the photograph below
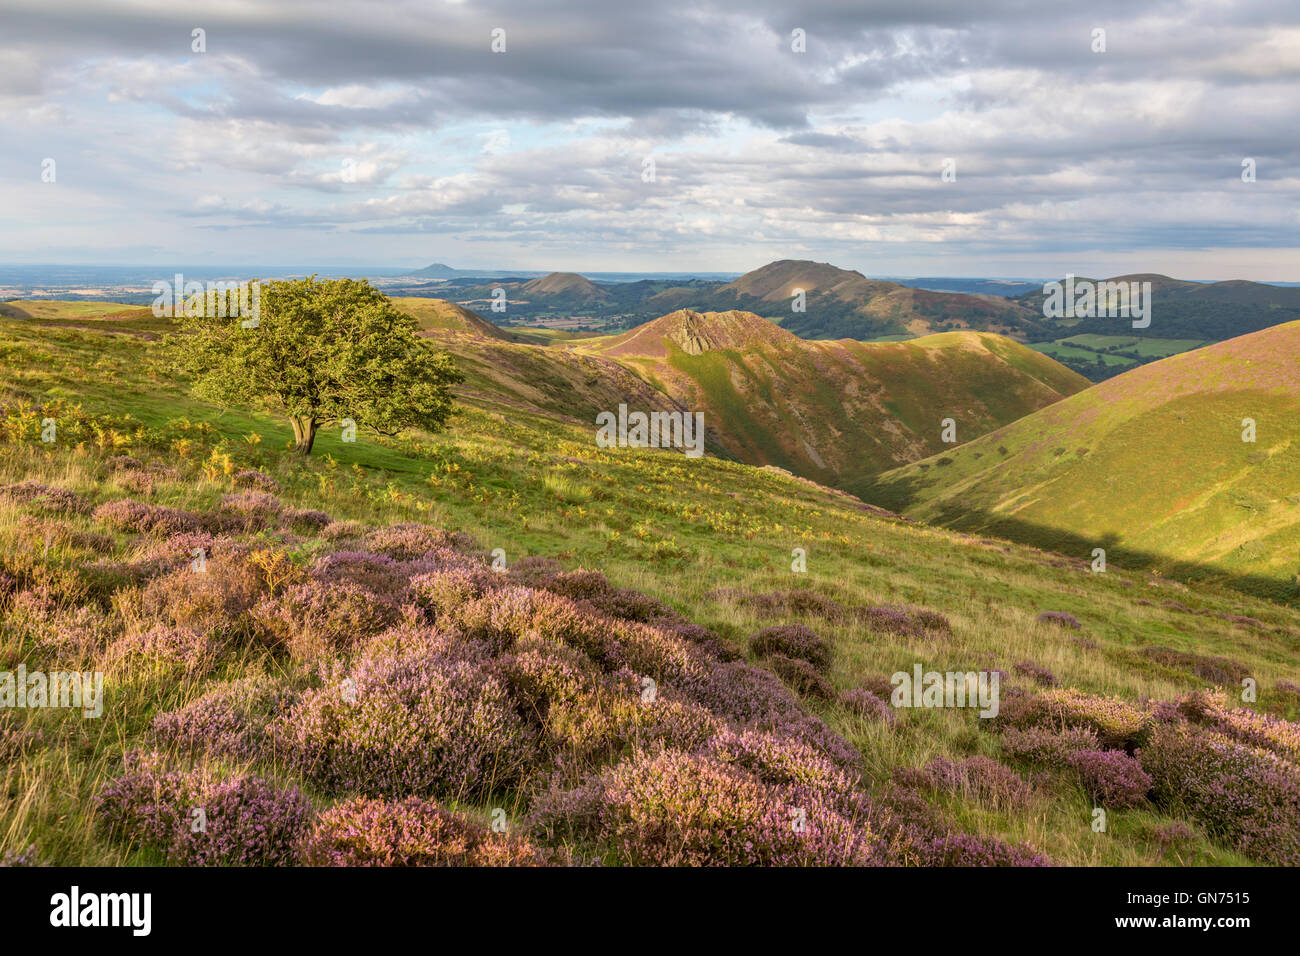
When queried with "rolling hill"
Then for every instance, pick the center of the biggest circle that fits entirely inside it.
(1150, 464)
(842, 303)
(443, 315)
(835, 412)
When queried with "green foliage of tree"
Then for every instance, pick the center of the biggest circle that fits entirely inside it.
(321, 352)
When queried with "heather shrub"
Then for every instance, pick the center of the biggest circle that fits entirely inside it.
(1036, 672)
(254, 509)
(1210, 709)
(864, 703)
(25, 857)
(1243, 795)
(139, 518)
(340, 530)
(677, 809)
(1172, 835)
(305, 520)
(230, 719)
(1115, 722)
(801, 677)
(903, 621)
(540, 673)
(442, 593)
(411, 832)
(418, 719)
(406, 542)
(252, 479)
(247, 820)
(1111, 777)
(777, 760)
(374, 572)
(1216, 670)
(703, 638)
(61, 631)
(58, 500)
(314, 619)
(123, 463)
(1048, 746)
(214, 598)
(964, 849)
(795, 641)
(1059, 618)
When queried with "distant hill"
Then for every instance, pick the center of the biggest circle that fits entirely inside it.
(1150, 465)
(1184, 315)
(842, 303)
(439, 270)
(836, 412)
(568, 285)
(442, 315)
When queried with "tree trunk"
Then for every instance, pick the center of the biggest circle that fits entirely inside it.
(304, 434)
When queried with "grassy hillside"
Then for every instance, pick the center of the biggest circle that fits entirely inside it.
(442, 315)
(1150, 464)
(836, 412)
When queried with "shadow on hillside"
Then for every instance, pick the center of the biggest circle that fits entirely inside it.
(1276, 590)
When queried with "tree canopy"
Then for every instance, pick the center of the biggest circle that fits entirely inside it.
(321, 352)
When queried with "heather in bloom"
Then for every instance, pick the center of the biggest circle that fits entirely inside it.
(406, 542)
(230, 719)
(864, 703)
(904, 621)
(305, 520)
(801, 677)
(245, 820)
(1111, 777)
(1047, 746)
(313, 619)
(58, 500)
(1210, 709)
(341, 530)
(25, 857)
(250, 478)
(792, 640)
(1115, 722)
(417, 719)
(140, 518)
(964, 849)
(255, 509)
(1246, 796)
(217, 597)
(1036, 672)
(413, 832)
(677, 809)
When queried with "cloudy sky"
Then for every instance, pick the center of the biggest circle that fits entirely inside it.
(366, 133)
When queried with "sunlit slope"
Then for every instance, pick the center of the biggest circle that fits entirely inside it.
(1152, 461)
(837, 412)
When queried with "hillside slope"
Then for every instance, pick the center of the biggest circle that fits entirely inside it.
(836, 412)
(444, 315)
(1151, 463)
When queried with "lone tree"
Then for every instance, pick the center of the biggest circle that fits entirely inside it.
(321, 352)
